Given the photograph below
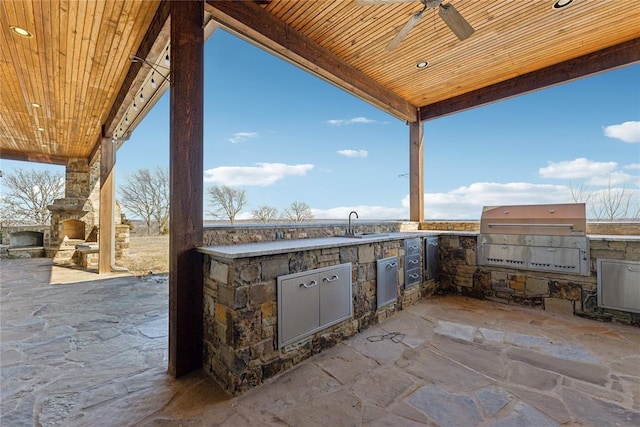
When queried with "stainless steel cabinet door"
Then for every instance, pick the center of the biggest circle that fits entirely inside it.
(387, 286)
(619, 284)
(298, 313)
(335, 294)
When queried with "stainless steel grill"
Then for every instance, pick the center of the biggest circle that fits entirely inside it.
(535, 237)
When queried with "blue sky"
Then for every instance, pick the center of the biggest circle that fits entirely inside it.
(284, 135)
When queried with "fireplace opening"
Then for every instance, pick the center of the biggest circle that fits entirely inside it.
(23, 239)
(73, 229)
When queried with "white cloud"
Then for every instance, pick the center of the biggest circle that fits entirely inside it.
(467, 202)
(354, 153)
(364, 212)
(242, 136)
(263, 174)
(578, 168)
(613, 179)
(632, 166)
(355, 120)
(461, 203)
(627, 131)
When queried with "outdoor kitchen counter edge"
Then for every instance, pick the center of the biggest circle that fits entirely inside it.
(249, 250)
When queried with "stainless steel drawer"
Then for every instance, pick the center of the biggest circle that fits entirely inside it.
(412, 277)
(412, 262)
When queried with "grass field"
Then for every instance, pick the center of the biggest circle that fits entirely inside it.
(148, 255)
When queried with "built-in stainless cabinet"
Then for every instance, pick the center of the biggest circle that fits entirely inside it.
(313, 300)
(412, 270)
(430, 257)
(387, 283)
(298, 302)
(335, 295)
(619, 284)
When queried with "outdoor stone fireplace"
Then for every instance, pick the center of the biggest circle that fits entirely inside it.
(75, 218)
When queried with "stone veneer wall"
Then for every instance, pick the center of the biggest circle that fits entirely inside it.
(567, 294)
(450, 225)
(123, 235)
(247, 233)
(614, 228)
(241, 309)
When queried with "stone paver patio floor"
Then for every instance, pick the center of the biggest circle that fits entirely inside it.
(78, 349)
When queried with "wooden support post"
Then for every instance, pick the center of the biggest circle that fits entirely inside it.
(107, 230)
(416, 172)
(186, 187)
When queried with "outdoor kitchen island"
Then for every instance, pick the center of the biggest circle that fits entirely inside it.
(244, 284)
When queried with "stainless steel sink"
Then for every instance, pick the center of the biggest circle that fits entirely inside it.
(364, 235)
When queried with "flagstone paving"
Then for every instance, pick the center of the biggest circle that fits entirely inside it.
(78, 349)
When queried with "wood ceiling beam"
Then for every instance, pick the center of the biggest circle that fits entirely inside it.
(152, 44)
(249, 21)
(25, 156)
(596, 62)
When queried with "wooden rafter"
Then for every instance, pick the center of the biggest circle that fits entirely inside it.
(583, 66)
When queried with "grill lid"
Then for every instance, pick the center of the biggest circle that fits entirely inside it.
(553, 219)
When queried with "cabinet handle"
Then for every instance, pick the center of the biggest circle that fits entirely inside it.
(635, 270)
(413, 276)
(333, 279)
(391, 265)
(414, 261)
(413, 247)
(312, 284)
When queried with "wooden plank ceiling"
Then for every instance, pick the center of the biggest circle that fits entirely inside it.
(72, 67)
(78, 66)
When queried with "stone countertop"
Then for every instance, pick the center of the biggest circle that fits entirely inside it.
(248, 250)
(614, 237)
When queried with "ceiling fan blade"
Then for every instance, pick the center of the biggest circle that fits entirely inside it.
(405, 30)
(460, 27)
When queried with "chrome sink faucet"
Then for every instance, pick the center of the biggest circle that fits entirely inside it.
(349, 229)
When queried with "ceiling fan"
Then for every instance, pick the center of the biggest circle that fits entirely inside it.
(460, 27)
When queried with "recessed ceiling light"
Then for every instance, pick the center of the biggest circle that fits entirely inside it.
(40, 129)
(559, 4)
(21, 31)
(36, 105)
(422, 64)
